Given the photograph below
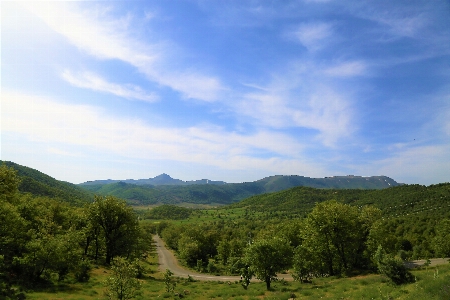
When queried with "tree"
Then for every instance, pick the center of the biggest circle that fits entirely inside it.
(170, 286)
(441, 243)
(305, 265)
(267, 257)
(122, 285)
(334, 232)
(118, 223)
(9, 183)
(392, 267)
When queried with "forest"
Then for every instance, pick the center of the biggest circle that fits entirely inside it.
(58, 233)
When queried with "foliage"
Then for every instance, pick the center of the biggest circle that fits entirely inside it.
(246, 276)
(122, 285)
(168, 212)
(170, 285)
(40, 184)
(43, 240)
(117, 223)
(392, 267)
(267, 257)
(441, 242)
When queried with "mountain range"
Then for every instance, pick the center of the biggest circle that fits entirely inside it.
(165, 189)
(162, 179)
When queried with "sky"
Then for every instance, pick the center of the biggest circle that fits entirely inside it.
(227, 90)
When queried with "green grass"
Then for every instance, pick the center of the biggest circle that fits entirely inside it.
(431, 284)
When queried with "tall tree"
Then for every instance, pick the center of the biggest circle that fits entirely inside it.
(336, 234)
(118, 223)
(441, 242)
(266, 257)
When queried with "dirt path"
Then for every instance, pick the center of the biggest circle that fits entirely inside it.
(433, 262)
(168, 261)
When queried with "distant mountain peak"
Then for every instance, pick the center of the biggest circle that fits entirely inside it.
(163, 175)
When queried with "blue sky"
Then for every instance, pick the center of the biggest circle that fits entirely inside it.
(227, 90)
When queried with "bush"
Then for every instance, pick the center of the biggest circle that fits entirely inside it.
(392, 267)
(82, 271)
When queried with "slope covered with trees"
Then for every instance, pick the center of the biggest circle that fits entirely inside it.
(39, 184)
(44, 239)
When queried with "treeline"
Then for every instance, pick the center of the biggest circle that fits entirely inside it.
(44, 239)
(168, 212)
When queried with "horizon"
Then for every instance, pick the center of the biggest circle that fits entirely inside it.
(233, 92)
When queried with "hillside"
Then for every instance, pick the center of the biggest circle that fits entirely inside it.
(216, 193)
(40, 184)
(395, 201)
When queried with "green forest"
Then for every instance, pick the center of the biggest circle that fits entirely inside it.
(55, 234)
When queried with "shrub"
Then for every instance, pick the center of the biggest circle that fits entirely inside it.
(392, 267)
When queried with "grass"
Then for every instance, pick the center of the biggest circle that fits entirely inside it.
(431, 284)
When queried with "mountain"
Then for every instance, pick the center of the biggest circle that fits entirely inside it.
(172, 191)
(40, 184)
(162, 179)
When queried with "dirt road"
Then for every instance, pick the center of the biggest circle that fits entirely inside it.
(433, 262)
(168, 261)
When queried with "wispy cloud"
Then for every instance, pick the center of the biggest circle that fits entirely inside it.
(301, 100)
(426, 164)
(47, 120)
(313, 35)
(89, 80)
(108, 38)
(347, 69)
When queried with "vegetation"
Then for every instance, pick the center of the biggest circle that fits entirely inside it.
(39, 184)
(267, 257)
(45, 240)
(122, 284)
(168, 212)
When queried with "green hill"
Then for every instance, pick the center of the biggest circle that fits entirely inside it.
(395, 201)
(230, 192)
(40, 184)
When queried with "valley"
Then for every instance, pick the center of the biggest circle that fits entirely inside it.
(301, 228)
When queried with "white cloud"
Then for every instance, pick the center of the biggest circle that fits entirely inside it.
(105, 38)
(347, 69)
(47, 121)
(425, 164)
(94, 82)
(313, 35)
(296, 102)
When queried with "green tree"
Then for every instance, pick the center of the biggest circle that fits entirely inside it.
(122, 285)
(118, 223)
(306, 266)
(267, 257)
(441, 242)
(334, 232)
(170, 286)
(392, 267)
(9, 183)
